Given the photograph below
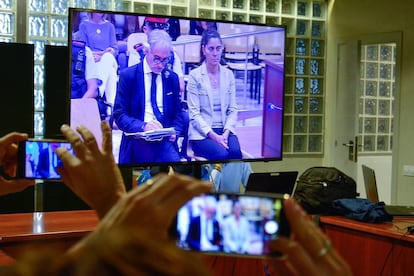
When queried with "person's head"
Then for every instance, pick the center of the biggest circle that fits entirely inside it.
(237, 209)
(97, 16)
(159, 50)
(131, 24)
(154, 23)
(207, 25)
(211, 47)
(209, 207)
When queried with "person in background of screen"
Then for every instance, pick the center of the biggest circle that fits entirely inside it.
(236, 231)
(8, 164)
(211, 96)
(124, 26)
(48, 161)
(134, 111)
(174, 29)
(84, 72)
(174, 61)
(230, 177)
(174, 64)
(197, 27)
(204, 230)
(99, 35)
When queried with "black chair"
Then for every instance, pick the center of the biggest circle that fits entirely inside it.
(253, 68)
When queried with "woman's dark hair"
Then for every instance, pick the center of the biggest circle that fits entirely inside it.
(205, 38)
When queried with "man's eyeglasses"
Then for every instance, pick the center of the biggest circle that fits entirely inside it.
(158, 60)
(211, 49)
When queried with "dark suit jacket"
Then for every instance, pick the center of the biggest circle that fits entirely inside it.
(44, 163)
(129, 108)
(194, 234)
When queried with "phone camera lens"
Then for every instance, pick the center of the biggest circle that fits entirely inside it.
(271, 227)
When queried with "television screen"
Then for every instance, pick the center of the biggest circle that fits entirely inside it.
(178, 90)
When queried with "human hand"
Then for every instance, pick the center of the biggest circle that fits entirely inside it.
(309, 252)
(172, 138)
(8, 163)
(138, 223)
(152, 125)
(110, 50)
(219, 139)
(135, 252)
(98, 55)
(225, 135)
(92, 173)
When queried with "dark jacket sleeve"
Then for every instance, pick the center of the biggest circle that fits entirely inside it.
(130, 100)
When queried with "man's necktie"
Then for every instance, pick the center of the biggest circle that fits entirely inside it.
(154, 105)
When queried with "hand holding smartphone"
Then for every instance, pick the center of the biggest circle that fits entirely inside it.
(37, 159)
(235, 224)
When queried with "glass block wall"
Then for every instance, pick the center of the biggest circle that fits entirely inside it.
(46, 23)
(376, 97)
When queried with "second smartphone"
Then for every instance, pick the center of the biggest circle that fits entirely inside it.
(37, 158)
(235, 224)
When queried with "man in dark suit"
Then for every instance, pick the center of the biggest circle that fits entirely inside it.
(148, 98)
(204, 230)
(48, 161)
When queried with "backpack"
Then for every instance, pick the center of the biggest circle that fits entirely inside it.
(318, 187)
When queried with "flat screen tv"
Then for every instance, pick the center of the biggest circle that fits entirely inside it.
(252, 53)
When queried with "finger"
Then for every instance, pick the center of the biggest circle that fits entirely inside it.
(68, 159)
(106, 137)
(305, 230)
(167, 185)
(74, 139)
(281, 266)
(65, 176)
(167, 196)
(163, 195)
(14, 185)
(312, 239)
(88, 139)
(13, 137)
(295, 254)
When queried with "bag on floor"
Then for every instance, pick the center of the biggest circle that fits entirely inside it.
(318, 187)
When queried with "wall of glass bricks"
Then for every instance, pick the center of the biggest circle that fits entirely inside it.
(45, 22)
(377, 85)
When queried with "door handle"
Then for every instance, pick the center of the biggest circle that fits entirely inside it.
(351, 151)
(353, 147)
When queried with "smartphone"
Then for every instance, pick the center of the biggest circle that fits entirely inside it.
(231, 224)
(37, 158)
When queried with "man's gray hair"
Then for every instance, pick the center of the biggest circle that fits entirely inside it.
(160, 38)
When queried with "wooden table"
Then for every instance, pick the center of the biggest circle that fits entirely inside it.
(370, 249)
(373, 249)
(50, 228)
(63, 229)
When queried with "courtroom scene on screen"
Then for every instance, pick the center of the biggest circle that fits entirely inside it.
(178, 90)
(229, 224)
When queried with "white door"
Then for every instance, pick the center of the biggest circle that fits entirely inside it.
(346, 123)
(347, 116)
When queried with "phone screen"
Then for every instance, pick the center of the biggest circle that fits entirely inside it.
(38, 160)
(236, 224)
